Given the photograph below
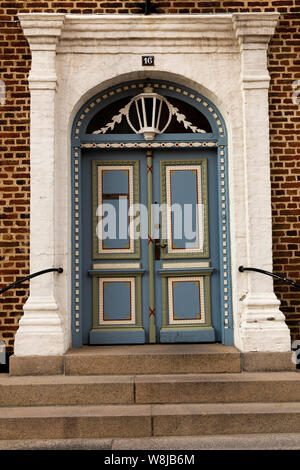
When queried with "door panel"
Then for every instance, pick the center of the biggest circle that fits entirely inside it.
(183, 285)
(184, 188)
(116, 187)
(174, 296)
(113, 269)
(117, 308)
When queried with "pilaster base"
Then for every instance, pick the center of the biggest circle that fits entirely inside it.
(263, 326)
(40, 330)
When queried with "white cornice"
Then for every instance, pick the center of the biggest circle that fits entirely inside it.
(143, 33)
(50, 34)
(140, 33)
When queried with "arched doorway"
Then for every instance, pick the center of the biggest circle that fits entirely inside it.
(151, 252)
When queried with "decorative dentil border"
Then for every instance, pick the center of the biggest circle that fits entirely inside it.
(204, 105)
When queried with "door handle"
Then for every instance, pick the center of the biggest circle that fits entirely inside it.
(161, 244)
(158, 245)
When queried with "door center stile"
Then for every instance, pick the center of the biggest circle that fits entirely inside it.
(152, 323)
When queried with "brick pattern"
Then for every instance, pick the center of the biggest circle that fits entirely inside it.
(284, 66)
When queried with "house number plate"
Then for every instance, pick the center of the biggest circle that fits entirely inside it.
(148, 60)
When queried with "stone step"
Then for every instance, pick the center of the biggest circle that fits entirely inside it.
(66, 390)
(49, 422)
(231, 418)
(113, 421)
(272, 441)
(149, 389)
(247, 387)
(152, 359)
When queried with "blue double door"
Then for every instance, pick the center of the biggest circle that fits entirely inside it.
(150, 246)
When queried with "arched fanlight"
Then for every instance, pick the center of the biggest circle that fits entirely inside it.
(148, 113)
(147, 109)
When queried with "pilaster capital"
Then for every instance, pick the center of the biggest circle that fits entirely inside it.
(42, 30)
(254, 30)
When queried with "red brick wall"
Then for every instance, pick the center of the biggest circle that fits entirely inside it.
(284, 66)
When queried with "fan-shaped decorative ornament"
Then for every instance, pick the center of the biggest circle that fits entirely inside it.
(146, 110)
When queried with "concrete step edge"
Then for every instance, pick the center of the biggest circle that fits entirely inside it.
(272, 441)
(93, 391)
(259, 377)
(189, 409)
(133, 421)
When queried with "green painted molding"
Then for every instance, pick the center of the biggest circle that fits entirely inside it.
(136, 198)
(203, 163)
(165, 310)
(138, 304)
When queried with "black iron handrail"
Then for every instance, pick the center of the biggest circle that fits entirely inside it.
(268, 273)
(20, 281)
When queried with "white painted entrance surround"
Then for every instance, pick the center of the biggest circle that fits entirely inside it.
(223, 57)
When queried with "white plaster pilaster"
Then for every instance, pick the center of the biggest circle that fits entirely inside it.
(263, 325)
(40, 331)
